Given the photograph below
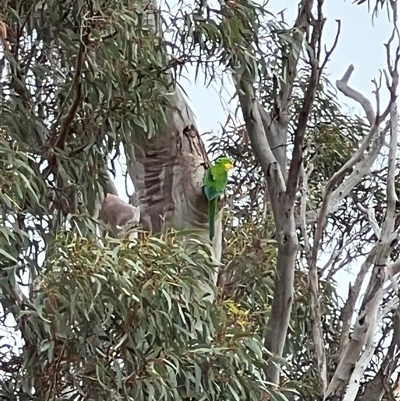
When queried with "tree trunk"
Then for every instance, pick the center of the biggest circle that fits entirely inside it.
(168, 170)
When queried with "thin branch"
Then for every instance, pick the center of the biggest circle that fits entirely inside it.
(303, 204)
(334, 258)
(331, 200)
(358, 172)
(317, 331)
(329, 52)
(297, 154)
(350, 367)
(377, 91)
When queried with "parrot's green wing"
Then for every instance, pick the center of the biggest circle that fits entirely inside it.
(211, 193)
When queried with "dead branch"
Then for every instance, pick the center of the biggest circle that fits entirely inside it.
(351, 93)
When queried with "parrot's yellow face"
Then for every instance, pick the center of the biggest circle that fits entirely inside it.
(228, 166)
(225, 163)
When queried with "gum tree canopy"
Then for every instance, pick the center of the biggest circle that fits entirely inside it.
(256, 315)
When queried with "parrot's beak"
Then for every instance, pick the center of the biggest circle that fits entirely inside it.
(228, 166)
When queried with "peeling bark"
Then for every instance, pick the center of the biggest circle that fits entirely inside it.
(168, 174)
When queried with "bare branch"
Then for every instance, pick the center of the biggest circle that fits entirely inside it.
(358, 172)
(329, 52)
(355, 95)
(358, 165)
(328, 205)
(333, 258)
(350, 367)
(375, 389)
(364, 324)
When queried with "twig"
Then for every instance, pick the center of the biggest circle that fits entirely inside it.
(329, 52)
(334, 256)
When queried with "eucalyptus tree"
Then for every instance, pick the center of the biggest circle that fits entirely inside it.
(123, 319)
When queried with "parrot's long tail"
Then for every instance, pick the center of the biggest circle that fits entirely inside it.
(212, 209)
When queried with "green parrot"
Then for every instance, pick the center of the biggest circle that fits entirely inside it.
(214, 184)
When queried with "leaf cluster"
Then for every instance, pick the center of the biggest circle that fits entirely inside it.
(118, 323)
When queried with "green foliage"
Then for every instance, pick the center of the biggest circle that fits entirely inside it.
(83, 77)
(119, 323)
(246, 280)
